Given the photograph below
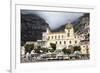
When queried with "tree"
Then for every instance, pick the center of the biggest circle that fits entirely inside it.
(71, 48)
(53, 46)
(37, 50)
(77, 48)
(66, 51)
(29, 47)
(44, 50)
(51, 50)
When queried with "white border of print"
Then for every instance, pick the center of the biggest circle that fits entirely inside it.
(17, 67)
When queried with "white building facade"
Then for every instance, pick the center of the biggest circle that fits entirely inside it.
(61, 39)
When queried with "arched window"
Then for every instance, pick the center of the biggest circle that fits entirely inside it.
(59, 36)
(52, 37)
(55, 37)
(60, 42)
(48, 37)
(62, 36)
(64, 42)
(69, 31)
(70, 42)
(75, 42)
(56, 42)
(84, 46)
(75, 36)
(68, 34)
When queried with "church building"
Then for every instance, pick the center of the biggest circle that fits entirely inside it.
(61, 39)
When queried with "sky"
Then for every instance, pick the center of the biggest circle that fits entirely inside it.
(55, 19)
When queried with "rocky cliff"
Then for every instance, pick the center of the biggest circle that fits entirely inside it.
(32, 27)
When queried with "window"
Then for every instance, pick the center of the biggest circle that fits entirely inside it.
(68, 34)
(64, 42)
(84, 46)
(62, 36)
(68, 30)
(60, 42)
(52, 37)
(75, 36)
(56, 42)
(59, 36)
(70, 42)
(55, 37)
(75, 42)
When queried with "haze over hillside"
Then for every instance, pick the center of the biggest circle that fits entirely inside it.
(32, 26)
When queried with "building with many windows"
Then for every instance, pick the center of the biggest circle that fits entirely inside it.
(61, 39)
